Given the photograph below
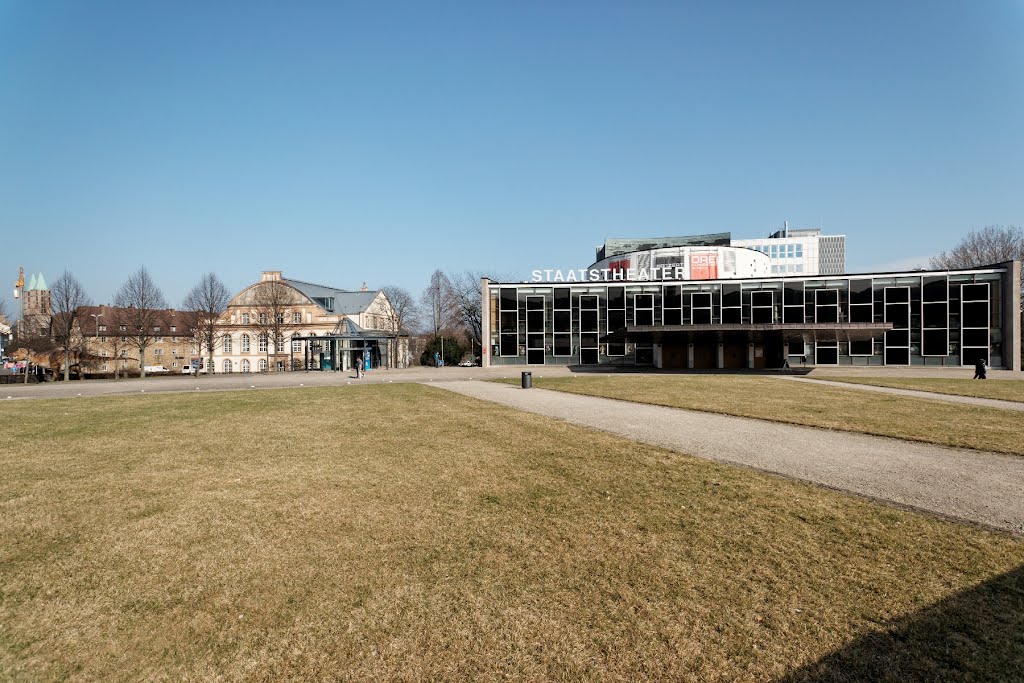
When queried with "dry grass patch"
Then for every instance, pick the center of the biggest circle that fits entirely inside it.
(1003, 390)
(814, 405)
(405, 533)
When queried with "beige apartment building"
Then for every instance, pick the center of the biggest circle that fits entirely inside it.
(107, 341)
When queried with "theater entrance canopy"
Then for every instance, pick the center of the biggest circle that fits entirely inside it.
(339, 349)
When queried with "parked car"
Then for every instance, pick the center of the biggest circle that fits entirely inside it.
(155, 369)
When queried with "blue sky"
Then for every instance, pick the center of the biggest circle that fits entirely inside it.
(374, 142)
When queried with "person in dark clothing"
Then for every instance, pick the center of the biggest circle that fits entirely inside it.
(980, 369)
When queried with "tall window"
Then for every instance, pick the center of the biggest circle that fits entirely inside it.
(700, 308)
(245, 343)
(297, 318)
(227, 366)
(672, 305)
(263, 364)
(263, 319)
(280, 318)
(643, 309)
(508, 320)
(861, 302)
(590, 330)
(897, 311)
(732, 305)
(245, 318)
(762, 307)
(535, 330)
(263, 343)
(975, 319)
(935, 317)
(245, 365)
(616, 319)
(562, 323)
(279, 344)
(296, 344)
(227, 343)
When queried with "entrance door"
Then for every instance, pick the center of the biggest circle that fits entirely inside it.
(734, 355)
(673, 356)
(705, 355)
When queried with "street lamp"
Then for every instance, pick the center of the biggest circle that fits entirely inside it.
(96, 321)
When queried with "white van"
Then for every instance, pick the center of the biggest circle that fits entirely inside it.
(155, 369)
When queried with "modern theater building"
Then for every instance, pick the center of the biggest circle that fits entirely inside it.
(697, 303)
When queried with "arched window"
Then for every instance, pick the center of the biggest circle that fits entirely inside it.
(227, 343)
(245, 344)
(227, 366)
(263, 364)
(280, 366)
(263, 343)
(245, 365)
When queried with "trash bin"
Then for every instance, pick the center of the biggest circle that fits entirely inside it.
(527, 380)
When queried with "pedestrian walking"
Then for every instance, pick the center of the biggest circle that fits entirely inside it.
(980, 369)
(359, 365)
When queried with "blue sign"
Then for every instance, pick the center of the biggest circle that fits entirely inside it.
(366, 359)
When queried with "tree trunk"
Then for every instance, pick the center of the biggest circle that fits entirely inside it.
(67, 365)
(142, 363)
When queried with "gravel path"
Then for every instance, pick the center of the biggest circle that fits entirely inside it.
(935, 396)
(980, 487)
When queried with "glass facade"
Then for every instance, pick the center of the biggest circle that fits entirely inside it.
(926, 318)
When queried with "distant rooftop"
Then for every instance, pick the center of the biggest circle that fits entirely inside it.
(333, 299)
(620, 245)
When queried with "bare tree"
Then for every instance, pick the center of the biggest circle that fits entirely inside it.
(991, 245)
(273, 307)
(466, 286)
(440, 309)
(402, 317)
(988, 246)
(3, 309)
(67, 296)
(206, 304)
(404, 311)
(144, 310)
(118, 338)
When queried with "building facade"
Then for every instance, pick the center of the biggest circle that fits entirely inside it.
(279, 324)
(801, 252)
(106, 341)
(920, 318)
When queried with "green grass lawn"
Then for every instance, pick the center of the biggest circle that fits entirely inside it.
(814, 405)
(1004, 390)
(401, 532)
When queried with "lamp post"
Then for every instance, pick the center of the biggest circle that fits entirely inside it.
(96, 321)
(22, 334)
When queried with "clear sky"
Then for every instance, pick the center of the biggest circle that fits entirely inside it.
(376, 141)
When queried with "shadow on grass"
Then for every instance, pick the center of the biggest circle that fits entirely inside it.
(648, 370)
(974, 635)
